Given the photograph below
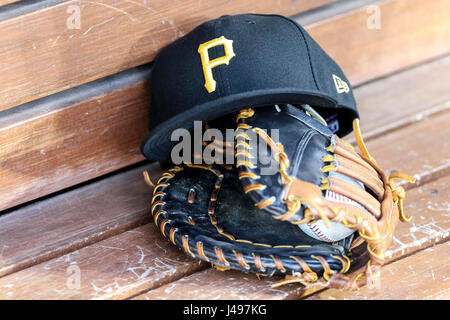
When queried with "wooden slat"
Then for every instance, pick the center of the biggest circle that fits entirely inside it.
(111, 119)
(211, 284)
(406, 36)
(5, 2)
(404, 98)
(427, 204)
(63, 223)
(420, 149)
(429, 226)
(423, 276)
(117, 267)
(113, 36)
(57, 148)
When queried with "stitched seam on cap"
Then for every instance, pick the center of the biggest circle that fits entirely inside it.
(307, 48)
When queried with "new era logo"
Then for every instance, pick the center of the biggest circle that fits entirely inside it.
(341, 85)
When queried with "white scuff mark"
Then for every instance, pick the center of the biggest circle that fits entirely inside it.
(431, 231)
(98, 290)
(3, 250)
(107, 247)
(395, 239)
(411, 232)
(130, 16)
(142, 254)
(165, 251)
(175, 29)
(135, 231)
(57, 38)
(432, 273)
(67, 258)
(168, 288)
(159, 267)
(433, 206)
(97, 25)
(441, 296)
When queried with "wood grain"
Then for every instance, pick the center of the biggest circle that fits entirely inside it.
(73, 219)
(430, 225)
(427, 204)
(87, 134)
(115, 268)
(211, 284)
(403, 98)
(406, 36)
(421, 149)
(112, 35)
(429, 207)
(423, 276)
(52, 150)
(5, 2)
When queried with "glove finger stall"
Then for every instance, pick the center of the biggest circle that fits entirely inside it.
(202, 210)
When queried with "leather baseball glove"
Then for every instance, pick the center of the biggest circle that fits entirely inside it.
(258, 215)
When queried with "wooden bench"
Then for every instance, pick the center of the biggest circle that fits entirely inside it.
(75, 220)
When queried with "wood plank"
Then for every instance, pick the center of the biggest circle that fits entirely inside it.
(73, 219)
(403, 98)
(115, 268)
(14, 8)
(60, 145)
(430, 225)
(211, 284)
(428, 205)
(420, 149)
(406, 36)
(5, 2)
(36, 138)
(64, 54)
(423, 276)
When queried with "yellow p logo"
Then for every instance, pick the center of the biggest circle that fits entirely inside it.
(208, 65)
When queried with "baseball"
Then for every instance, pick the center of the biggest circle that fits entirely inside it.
(336, 232)
(318, 230)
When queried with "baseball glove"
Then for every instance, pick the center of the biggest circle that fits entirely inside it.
(290, 172)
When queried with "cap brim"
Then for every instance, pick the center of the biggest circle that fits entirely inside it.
(157, 144)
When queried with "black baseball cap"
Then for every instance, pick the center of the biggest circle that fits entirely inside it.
(242, 61)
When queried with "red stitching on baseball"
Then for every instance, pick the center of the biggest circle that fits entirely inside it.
(335, 197)
(319, 234)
